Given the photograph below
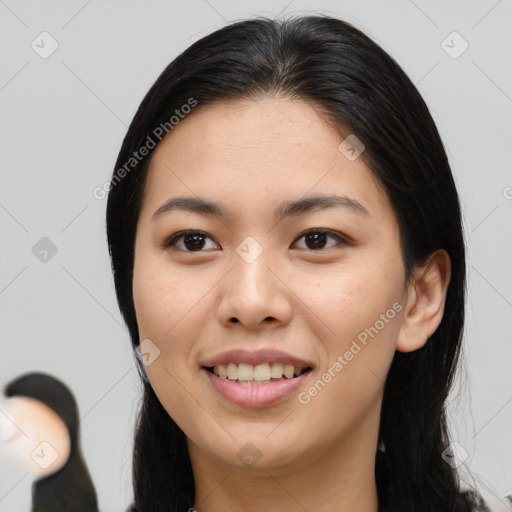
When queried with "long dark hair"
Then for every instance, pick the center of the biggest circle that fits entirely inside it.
(360, 89)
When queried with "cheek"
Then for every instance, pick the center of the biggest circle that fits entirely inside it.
(159, 293)
(170, 314)
(156, 304)
(354, 295)
(168, 302)
(362, 308)
(161, 317)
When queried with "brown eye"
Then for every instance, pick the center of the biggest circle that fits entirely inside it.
(316, 239)
(188, 241)
(197, 241)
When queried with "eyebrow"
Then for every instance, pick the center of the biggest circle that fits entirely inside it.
(288, 208)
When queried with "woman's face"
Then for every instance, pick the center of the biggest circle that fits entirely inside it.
(277, 276)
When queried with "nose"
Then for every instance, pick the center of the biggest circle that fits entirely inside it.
(255, 295)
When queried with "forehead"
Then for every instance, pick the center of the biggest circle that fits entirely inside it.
(236, 128)
(257, 150)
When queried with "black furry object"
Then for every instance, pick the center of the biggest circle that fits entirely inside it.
(70, 489)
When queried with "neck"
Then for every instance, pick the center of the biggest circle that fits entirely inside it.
(331, 478)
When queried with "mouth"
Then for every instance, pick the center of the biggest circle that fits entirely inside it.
(256, 386)
(256, 375)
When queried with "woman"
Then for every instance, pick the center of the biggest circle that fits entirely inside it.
(287, 250)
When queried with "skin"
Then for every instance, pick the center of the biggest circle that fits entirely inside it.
(31, 423)
(250, 156)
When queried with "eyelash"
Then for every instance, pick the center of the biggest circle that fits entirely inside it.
(170, 243)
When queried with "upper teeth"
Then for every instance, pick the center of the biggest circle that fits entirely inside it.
(260, 372)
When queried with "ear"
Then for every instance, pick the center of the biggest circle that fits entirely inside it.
(424, 306)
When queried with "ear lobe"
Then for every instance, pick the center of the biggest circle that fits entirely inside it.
(426, 296)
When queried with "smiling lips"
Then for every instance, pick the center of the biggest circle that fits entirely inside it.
(256, 375)
(256, 379)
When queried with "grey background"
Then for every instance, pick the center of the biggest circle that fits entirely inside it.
(63, 119)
